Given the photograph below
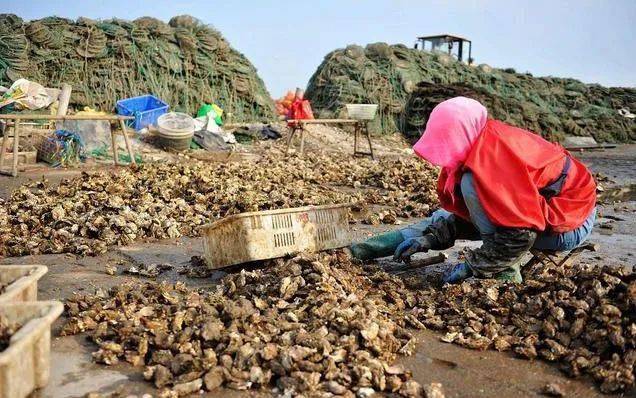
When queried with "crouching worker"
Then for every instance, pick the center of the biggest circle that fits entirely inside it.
(503, 185)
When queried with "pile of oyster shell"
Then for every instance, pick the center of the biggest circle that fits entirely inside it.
(581, 317)
(315, 325)
(86, 214)
(324, 323)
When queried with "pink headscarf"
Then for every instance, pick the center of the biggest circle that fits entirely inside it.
(451, 131)
(453, 127)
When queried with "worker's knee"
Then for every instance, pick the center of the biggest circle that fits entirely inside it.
(440, 214)
(477, 213)
(468, 187)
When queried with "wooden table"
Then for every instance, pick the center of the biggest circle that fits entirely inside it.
(359, 127)
(18, 118)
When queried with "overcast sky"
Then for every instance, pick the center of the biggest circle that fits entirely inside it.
(592, 40)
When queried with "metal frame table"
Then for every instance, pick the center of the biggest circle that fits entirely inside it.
(17, 118)
(360, 127)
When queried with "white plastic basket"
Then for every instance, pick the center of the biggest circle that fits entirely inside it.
(274, 233)
(361, 111)
(25, 365)
(21, 281)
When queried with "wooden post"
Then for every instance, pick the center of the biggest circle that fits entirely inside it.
(302, 139)
(63, 100)
(4, 146)
(366, 130)
(114, 144)
(355, 139)
(290, 138)
(16, 137)
(124, 130)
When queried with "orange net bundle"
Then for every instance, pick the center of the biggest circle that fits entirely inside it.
(294, 106)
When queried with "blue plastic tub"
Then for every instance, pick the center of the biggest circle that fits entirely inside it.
(146, 109)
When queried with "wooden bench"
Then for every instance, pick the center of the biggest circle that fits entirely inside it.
(14, 121)
(360, 128)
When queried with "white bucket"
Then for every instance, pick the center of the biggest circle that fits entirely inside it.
(175, 130)
(175, 125)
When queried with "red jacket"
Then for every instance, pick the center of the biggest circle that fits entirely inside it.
(510, 166)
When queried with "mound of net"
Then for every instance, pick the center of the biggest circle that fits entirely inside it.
(427, 95)
(389, 75)
(184, 62)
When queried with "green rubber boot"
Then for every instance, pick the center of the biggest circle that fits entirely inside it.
(377, 246)
(512, 274)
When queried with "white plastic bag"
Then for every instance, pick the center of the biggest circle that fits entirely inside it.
(27, 95)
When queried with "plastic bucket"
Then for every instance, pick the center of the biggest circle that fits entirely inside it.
(175, 144)
(175, 131)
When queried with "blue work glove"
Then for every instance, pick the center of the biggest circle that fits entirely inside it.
(411, 246)
(457, 274)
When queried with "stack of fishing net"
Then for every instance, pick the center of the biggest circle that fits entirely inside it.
(184, 62)
(14, 48)
(426, 96)
(395, 77)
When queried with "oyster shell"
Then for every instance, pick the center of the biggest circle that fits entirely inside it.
(314, 324)
(87, 214)
(313, 314)
(582, 317)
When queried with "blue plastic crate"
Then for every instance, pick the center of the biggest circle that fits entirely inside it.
(146, 109)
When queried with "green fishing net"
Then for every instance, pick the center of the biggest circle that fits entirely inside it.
(184, 62)
(407, 83)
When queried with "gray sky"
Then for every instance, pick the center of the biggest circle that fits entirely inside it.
(591, 40)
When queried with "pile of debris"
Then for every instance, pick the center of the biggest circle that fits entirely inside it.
(583, 318)
(185, 63)
(303, 326)
(388, 75)
(86, 214)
